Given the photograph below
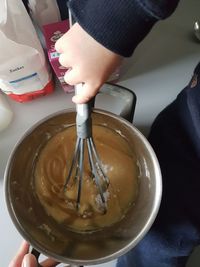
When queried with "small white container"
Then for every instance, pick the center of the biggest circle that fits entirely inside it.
(6, 113)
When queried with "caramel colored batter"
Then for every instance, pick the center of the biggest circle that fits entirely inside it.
(119, 165)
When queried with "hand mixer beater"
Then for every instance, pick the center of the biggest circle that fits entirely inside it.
(85, 142)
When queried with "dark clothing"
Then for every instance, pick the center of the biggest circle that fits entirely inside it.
(120, 25)
(175, 137)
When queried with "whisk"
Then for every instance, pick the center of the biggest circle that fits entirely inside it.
(85, 139)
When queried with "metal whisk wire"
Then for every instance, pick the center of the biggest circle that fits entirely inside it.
(84, 138)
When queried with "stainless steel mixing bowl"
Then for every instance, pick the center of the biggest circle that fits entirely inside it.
(51, 238)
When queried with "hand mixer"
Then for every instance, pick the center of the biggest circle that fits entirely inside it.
(85, 140)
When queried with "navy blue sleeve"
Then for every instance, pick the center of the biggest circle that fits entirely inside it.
(120, 25)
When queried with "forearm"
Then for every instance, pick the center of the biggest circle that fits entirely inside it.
(120, 25)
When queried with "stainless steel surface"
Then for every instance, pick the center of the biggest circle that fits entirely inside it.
(197, 29)
(62, 244)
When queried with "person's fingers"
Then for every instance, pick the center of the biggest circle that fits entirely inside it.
(59, 45)
(17, 260)
(71, 76)
(29, 260)
(49, 263)
(64, 60)
(88, 92)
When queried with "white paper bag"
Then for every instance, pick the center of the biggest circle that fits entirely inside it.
(23, 70)
(44, 11)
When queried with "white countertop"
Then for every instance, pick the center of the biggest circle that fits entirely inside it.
(160, 67)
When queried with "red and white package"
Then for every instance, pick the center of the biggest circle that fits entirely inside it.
(52, 32)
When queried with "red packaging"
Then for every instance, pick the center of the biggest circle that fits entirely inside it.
(52, 32)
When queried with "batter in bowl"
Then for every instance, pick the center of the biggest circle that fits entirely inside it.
(119, 164)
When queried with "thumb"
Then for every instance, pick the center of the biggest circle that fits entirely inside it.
(29, 260)
(17, 260)
(88, 91)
